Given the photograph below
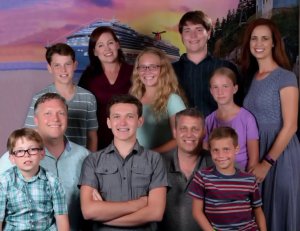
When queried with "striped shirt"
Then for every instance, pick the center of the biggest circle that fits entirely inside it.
(228, 200)
(30, 204)
(81, 114)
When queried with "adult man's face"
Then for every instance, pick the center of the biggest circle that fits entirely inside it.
(51, 119)
(195, 37)
(189, 133)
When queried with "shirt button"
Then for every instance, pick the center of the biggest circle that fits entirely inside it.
(124, 178)
(31, 214)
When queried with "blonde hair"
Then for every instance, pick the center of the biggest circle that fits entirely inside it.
(167, 82)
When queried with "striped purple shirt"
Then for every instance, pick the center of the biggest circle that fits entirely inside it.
(228, 200)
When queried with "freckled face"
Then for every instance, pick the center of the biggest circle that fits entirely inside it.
(222, 89)
(223, 154)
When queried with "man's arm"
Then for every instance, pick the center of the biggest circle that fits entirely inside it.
(260, 219)
(0, 226)
(92, 140)
(106, 210)
(62, 222)
(199, 215)
(152, 212)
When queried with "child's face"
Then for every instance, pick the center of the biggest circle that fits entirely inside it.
(29, 163)
(195, 37)
(62, 68)
(149, 69)
(223, 154)
(124, 121)
(222, 89)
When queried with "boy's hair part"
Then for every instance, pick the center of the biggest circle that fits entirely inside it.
(28, 133)
(192, 112)
(47, 97)
(195, 17)
(222, 133)
(125, 98)
(225, 71)
(60, 49)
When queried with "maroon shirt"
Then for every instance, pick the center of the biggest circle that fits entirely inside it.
(103, 91)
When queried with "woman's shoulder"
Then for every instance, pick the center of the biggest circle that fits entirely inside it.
(285, 77)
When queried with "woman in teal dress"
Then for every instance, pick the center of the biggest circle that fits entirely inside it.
(155, 84)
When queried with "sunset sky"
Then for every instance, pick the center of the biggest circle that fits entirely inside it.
(27, 26)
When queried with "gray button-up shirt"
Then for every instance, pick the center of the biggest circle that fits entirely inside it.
(178, 214)
(119, 179)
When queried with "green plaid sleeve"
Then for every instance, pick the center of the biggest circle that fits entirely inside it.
(59, 199)
(2, 202)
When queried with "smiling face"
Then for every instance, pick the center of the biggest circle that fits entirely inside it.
(51, 119)
(195, 37)
(222, 89)
(106, 48)
(149, 69)
(28, 164)
(223, 154)
(188, 134)
(261, 42)
(62, 68)
(123, 120)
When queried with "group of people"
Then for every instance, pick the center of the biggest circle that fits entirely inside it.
(159, 146)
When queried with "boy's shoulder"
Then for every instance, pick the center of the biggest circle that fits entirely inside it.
(207, 170)
(211, 171)
(8, 176)
(81, 90)
(50, 88)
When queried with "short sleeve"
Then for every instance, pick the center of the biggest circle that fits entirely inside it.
(251, 127)
(88, 176)
(2, 202)
(175, 104)
(196, 188)
(59, 199)
(287, 79)
(255, 195)
(159, 176)
(209, 125)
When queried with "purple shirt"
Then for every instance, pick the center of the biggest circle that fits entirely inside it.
(245, 126)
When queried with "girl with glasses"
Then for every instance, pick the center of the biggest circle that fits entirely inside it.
(154, 82)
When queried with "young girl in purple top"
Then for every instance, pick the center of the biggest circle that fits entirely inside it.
(223, 86)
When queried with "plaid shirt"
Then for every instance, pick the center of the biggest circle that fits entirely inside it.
(30, 204)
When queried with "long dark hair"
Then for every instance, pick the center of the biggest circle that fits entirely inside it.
(95, 67)
(249, 65)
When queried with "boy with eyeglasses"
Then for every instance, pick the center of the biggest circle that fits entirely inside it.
(31, 198)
